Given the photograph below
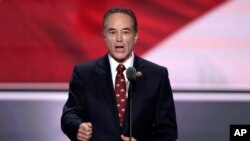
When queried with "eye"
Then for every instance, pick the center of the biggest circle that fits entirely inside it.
(112, 32)
(126, 32)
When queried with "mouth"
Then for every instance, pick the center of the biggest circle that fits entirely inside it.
(119, 47)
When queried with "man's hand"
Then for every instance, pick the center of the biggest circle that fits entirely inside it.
(84, 131)
(124, 138)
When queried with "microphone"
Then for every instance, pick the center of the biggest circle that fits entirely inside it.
(131, 74)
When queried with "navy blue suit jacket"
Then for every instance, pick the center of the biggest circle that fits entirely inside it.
(92, 99)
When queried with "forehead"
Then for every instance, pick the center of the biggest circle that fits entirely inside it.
(119, 20)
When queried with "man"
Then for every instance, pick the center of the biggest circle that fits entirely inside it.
(97, 108)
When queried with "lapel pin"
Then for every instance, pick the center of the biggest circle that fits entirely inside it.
(138, 73)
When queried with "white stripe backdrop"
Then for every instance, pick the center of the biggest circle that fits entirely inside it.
(211, 52)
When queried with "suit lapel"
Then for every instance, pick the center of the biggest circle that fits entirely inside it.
(107, 85)
(139, 66)
(138, 63)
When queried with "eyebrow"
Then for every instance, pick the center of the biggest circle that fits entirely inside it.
(126, 29)
(111, 29)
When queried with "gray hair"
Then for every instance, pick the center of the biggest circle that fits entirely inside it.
(120, 10)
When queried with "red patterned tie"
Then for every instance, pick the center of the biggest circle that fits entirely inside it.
(120, 91)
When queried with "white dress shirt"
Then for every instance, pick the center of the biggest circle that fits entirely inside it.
(127, 64)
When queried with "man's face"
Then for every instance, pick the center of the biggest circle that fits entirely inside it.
(120, 36)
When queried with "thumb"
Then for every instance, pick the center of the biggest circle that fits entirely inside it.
(89, 124)
(124, 138)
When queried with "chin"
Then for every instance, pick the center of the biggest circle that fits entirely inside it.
(120, 56)
(119, 59)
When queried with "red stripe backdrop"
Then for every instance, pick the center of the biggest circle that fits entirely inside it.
(40, 41)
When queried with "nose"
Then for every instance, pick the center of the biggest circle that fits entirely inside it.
(119, 37)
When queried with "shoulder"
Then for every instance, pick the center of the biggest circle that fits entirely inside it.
(152, 67)
(87, 67)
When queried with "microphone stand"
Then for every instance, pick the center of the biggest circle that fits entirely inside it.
(130, 90)
(131, 75)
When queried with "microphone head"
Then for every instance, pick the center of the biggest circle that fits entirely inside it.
(131, 73)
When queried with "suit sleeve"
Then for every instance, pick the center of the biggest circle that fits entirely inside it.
(73, 109)
(165, 127)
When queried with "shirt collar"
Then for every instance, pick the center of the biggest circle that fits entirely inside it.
(128, 63)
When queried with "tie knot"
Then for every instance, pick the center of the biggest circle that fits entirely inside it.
(120, 68)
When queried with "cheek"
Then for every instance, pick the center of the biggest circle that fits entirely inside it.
(111, 41)
(131, 43)
(108, 42)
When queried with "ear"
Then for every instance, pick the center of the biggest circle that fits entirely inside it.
(104, 35)
(136, 37)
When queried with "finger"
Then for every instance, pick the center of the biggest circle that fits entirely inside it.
(125, 138)
(84, 131)
(89, 124)
(82, 137)
(86, 127)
